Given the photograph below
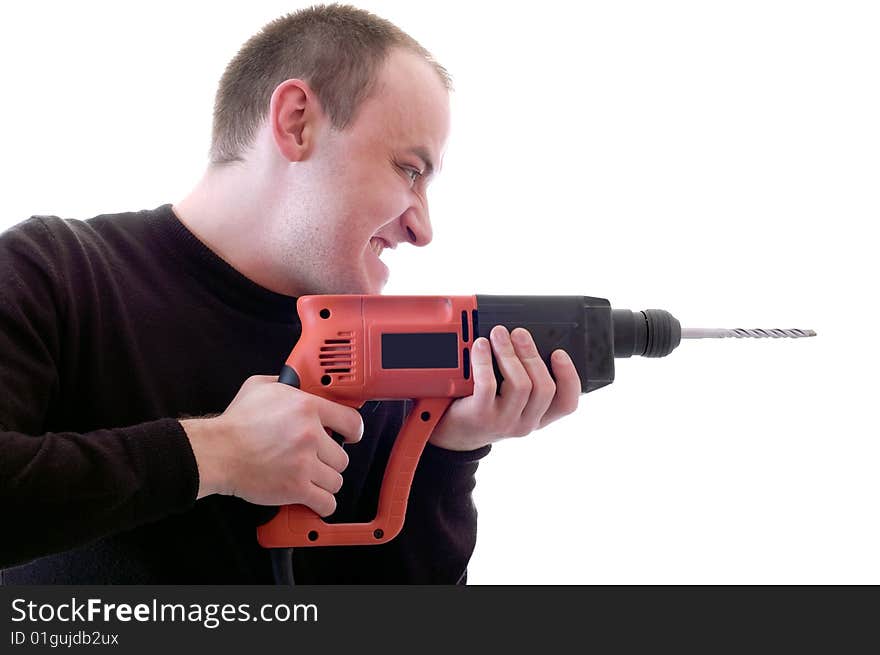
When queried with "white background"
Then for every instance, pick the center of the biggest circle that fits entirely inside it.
(719, 160)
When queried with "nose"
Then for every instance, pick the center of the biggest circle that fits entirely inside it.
(416, 223)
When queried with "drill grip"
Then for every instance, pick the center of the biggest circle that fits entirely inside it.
(298, 525)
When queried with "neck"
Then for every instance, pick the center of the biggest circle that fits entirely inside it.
(228, 211)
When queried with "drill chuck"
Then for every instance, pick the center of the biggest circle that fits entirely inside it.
(649, 333)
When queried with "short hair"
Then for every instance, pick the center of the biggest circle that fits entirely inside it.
(337, 49)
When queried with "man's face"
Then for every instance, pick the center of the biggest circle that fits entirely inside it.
(367, 184)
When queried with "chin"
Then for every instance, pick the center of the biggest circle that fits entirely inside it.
(373, 284)
(373, 289)
(364, 287)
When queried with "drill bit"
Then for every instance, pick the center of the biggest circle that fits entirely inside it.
(656, 333)
(740, 333)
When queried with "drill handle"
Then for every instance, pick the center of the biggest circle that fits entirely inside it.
(298, 525)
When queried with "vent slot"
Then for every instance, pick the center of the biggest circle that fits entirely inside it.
(337, 356)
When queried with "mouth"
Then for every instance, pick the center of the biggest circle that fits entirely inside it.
(378, 244)
(376, 265)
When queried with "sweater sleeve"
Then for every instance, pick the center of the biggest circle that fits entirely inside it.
(63, 489)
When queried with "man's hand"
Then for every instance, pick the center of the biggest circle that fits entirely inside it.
(528, 399)
(270, 446)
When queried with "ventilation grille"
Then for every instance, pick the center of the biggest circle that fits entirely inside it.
(337, 357)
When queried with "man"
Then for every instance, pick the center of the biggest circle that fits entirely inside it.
(329, 125)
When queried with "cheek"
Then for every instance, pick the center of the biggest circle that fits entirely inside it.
(365, 195)
(375, 208)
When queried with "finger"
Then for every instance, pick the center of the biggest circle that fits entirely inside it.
(326, 478)
(252, 382)
(543, 387)
(339, 418)
(517, 386)
(321, 501)
(485, 384)
(261, 379)
(331, 453)
(568, 388)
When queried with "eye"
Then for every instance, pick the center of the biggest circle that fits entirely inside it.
(412, 173)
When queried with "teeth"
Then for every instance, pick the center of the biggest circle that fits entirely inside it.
(377, 245)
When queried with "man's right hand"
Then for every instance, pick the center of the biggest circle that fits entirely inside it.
(270, 446)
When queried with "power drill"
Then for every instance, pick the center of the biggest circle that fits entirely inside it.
(357, 348)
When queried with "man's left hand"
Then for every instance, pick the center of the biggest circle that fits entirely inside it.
(528, 400)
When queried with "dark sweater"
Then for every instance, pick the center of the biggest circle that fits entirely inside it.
(113, 328)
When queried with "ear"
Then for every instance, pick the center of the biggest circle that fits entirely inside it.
(294, 113)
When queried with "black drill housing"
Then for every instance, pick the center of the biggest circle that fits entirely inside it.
(587, 328)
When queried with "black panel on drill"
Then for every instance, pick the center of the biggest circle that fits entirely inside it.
(420, 350)
(580, 325)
